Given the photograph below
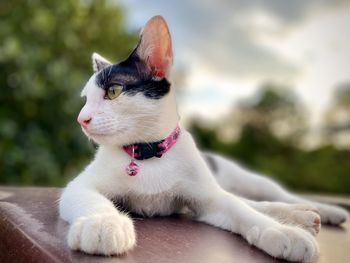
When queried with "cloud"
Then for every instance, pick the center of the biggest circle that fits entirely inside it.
(224, 35)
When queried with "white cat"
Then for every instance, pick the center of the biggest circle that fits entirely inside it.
(130, 109)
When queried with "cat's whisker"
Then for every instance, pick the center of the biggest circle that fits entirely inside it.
(128, 105)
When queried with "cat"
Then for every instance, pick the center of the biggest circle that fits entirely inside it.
(150, 165)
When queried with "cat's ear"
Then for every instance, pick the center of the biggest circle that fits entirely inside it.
(99, 62)
(155, 47)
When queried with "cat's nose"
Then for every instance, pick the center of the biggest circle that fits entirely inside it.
(84, 120)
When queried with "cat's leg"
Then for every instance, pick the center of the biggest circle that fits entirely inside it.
(245, 183)
(301, 215)
(97, 227)
(217, 207)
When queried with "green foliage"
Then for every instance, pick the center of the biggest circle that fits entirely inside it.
(325, 169)
(342, 96)
(45, 52)
(275, 108)
(271, 98)
(337, 116)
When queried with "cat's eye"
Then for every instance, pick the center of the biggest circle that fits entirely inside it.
(114, 91)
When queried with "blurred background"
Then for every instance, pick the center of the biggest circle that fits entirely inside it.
(266, 83)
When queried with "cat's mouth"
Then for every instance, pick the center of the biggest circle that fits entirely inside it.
(92, 134)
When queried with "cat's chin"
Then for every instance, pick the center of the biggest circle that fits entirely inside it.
(103, 139)
(98, 138)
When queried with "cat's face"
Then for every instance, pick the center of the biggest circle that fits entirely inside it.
(131, 101)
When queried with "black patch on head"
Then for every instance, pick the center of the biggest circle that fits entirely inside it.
(151, 89)
(134, 76)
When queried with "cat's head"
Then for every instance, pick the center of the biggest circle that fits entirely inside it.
(132, 101)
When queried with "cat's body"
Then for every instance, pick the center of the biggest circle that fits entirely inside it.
(145, 111)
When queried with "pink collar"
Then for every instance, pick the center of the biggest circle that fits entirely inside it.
(142, 151)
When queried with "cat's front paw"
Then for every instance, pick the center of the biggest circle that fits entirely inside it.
(105, 234)
(289, 243)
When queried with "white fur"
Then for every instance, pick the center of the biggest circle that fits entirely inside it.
(163, 186)
(179, 180)
(127, 119)
(240, 181)
(99, 62)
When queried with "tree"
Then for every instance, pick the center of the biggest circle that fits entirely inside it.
(261, 147)
(337, 116)
(336, 128)
(45, 52)
(274, 108)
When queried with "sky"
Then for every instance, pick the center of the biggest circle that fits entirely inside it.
(228, 48)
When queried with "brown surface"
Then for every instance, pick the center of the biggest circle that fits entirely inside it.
(30, 231)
